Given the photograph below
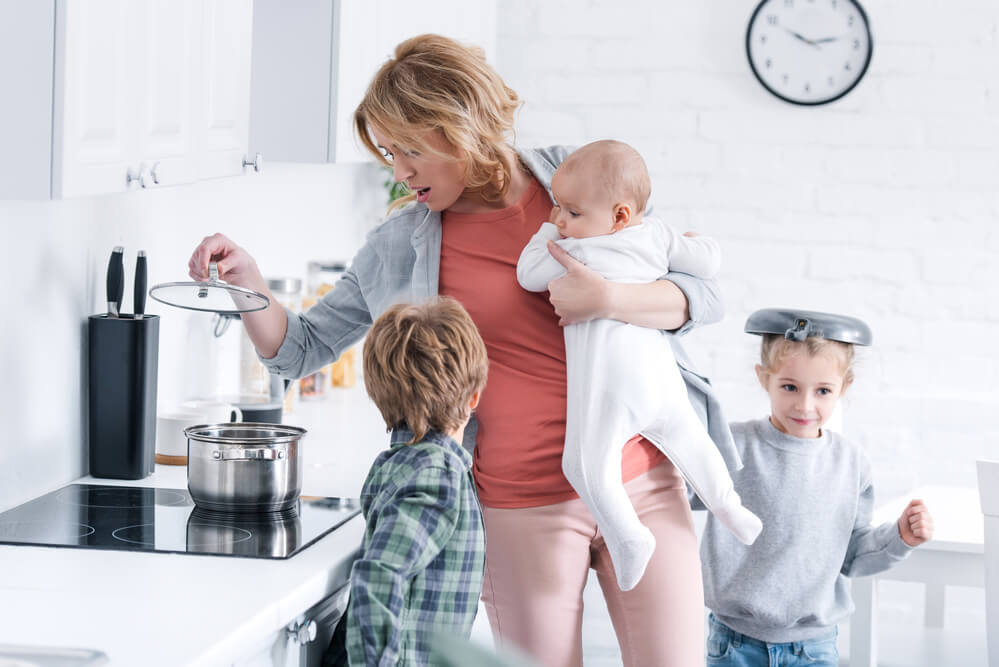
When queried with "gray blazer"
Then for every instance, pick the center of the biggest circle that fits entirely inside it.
(400, 261)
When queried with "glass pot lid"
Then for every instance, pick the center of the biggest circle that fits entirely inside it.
(211, 296)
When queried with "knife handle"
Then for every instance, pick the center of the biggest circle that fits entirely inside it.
(116, 280)
(139, 292)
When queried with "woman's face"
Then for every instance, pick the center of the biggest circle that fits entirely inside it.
(437, 177)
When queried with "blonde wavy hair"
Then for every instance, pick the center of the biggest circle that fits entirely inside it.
(433, 83)
(775, 349)
(422, 365)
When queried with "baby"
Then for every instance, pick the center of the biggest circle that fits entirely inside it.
(622, 379)
(785, 594)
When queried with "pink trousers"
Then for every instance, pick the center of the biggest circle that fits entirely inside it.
(538, 558)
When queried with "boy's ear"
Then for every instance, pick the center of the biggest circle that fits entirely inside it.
(622, 217)
(474, 401)
(762, 375)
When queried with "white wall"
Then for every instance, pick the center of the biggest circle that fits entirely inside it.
(53, 270)
(883, 205)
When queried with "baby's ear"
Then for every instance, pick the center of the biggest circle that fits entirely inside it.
(762, 375)
(622, 217)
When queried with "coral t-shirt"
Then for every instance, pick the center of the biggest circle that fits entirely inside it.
(518, 451)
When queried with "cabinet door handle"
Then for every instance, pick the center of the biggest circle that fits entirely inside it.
(257, 164)
(137, 175)
(303, 633)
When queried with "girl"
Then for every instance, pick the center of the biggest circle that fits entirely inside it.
(779, 600)
(442, 117)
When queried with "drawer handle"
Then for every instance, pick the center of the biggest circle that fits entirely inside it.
(304, 633)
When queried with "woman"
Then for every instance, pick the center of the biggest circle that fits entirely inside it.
(441, 117)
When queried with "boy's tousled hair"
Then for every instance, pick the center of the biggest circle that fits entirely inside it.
(433, 83)
(422, 364)
(775, 348)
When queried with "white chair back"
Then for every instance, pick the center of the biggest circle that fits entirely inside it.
(988, 492)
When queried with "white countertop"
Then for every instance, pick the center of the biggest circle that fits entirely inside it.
(184, 609)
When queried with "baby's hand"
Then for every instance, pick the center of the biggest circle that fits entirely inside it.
(915, 526)
(690, 234)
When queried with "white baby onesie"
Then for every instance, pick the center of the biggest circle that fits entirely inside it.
(622, 379)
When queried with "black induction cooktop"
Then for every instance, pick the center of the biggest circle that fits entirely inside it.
(132, 518)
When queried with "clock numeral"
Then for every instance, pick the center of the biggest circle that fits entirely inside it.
(785, 78)
(834, 4)
(772, 19)
(832, 81)
(768, 63)
(856, 45)
(849, 20)
(847, 67)
(763, 39)
(808, 87)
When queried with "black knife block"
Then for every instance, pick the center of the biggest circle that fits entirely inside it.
(123, 354)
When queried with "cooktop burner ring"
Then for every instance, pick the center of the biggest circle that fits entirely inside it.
(236, 534)
(120, 497)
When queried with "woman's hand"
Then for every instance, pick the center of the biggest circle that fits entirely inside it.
(581, 294)
(234, 264)
(267, 327)
(915, 526)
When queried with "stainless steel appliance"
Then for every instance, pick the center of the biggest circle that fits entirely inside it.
(130, 518)
(244, 467)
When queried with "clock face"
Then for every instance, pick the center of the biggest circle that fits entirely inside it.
(809, 51)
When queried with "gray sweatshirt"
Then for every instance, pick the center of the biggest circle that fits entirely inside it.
(815, 497)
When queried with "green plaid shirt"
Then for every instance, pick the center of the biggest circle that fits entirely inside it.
(420, 570)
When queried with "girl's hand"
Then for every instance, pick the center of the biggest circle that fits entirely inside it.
(581, 294)
(915, 526)
(234, 264)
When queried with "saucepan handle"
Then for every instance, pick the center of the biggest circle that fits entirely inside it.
(248, 454)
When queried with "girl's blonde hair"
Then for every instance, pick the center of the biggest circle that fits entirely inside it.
(434, 83)
(422, 365)
(775, 348)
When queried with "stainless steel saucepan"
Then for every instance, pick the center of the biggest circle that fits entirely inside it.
(245, 467)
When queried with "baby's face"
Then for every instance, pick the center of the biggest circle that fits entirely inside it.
(803, 392)
(583, 207)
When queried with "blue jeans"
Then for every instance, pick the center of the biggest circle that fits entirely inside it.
(729, 648)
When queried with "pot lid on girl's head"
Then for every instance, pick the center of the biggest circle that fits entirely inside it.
(796, 324)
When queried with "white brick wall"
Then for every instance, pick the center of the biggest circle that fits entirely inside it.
(883, 205)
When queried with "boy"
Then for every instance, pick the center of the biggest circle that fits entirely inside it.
(622, 379)
(779, 600)
(420, 571)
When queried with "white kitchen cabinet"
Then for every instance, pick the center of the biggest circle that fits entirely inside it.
(305, 640)
(313, 60)
(124, 94)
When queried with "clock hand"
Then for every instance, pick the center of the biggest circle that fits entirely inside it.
(801, 37)
(825, 39)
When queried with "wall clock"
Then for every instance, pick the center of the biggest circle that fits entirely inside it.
(809, 52)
